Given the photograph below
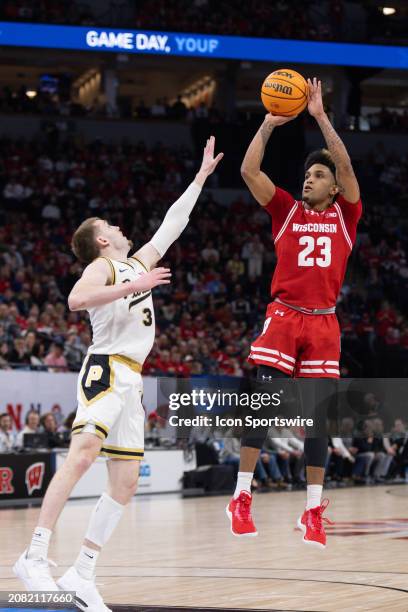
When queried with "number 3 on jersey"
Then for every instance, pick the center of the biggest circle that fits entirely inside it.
(148, 319)
(324, 259)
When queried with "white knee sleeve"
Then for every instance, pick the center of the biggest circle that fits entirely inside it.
(104, 518)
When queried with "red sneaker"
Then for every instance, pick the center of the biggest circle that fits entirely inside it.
(239, 513)
(311, 523)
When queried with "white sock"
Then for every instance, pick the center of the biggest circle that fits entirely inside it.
(243, 483)
(38, 548)
(86, 562)
(314, 496)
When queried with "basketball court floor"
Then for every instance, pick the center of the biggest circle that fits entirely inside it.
(170, 554)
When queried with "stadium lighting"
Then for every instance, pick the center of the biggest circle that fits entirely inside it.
(31, 93)
(388, 10)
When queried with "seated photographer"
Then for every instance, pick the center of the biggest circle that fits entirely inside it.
(50, 427)
(32, 426)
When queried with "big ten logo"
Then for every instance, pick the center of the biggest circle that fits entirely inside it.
(145, 470)
(6, 479)
(34, 477)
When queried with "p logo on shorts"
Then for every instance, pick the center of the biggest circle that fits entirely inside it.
(94, 374)
(97, 379)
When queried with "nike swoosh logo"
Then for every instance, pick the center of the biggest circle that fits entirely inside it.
(125, 270)
(81, 601)
(38, 535)
(91, 557)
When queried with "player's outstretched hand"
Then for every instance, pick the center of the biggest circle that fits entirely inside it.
(210, 162)
(157, 276)
(315, 103)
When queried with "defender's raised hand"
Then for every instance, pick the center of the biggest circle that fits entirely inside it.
(315, 103)
(210, 162)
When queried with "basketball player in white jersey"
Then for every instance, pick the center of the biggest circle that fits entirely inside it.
(116, 291)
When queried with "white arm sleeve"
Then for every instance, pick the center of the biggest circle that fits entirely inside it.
(176, 219)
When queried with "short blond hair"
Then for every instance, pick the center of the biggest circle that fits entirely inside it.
(84, 243)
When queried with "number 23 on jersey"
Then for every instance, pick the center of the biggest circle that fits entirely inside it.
(321, 249)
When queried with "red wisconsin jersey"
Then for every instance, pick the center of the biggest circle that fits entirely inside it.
(312, 249)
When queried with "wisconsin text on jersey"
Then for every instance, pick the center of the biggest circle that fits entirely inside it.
(330, 228)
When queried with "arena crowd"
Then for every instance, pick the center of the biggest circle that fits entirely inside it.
(222, 264)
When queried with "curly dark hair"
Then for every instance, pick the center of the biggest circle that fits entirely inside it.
(321, 156)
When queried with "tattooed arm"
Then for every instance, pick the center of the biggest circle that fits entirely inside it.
(259, 184)
(346, 179)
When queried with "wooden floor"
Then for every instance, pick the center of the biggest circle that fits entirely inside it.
(169, 551)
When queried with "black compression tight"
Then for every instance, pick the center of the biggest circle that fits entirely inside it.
(315, 447)
(256, 438)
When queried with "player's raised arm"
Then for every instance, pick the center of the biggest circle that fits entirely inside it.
(94, 289)
(178, 215)
(346, 179)
(259, 184)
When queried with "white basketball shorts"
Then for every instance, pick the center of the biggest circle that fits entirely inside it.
(109, 394)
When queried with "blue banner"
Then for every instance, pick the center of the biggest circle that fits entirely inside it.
(197, 45)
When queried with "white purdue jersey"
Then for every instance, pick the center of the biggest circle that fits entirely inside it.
(126, 326)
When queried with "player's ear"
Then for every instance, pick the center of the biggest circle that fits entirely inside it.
(101, 241)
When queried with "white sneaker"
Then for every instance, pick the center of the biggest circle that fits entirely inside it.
(35, 573)
(87, 595)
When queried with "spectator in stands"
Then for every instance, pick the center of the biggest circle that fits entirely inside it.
(235, 266)
(398, 438)
(371, 453)
(7, 438)
(14, 191)
(255, 253)
(158, 110)
(69, 421)
(73, 352)
(50, 427)
(240, 306)
(18, 354)
(55, 358)
(229, 455)
(51, 211)
(210, 254)
(32, 425)
(34, 349)
(268, 471)
(341, 459)
(385, 451)
(179, 109)
(64, 432)
(289, 453)
(364, 450)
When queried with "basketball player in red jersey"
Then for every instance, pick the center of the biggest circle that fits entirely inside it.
(301, 335)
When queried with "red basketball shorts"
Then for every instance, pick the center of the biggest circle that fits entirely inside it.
(301, 345)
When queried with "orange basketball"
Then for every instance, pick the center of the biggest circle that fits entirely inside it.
(284, 92)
